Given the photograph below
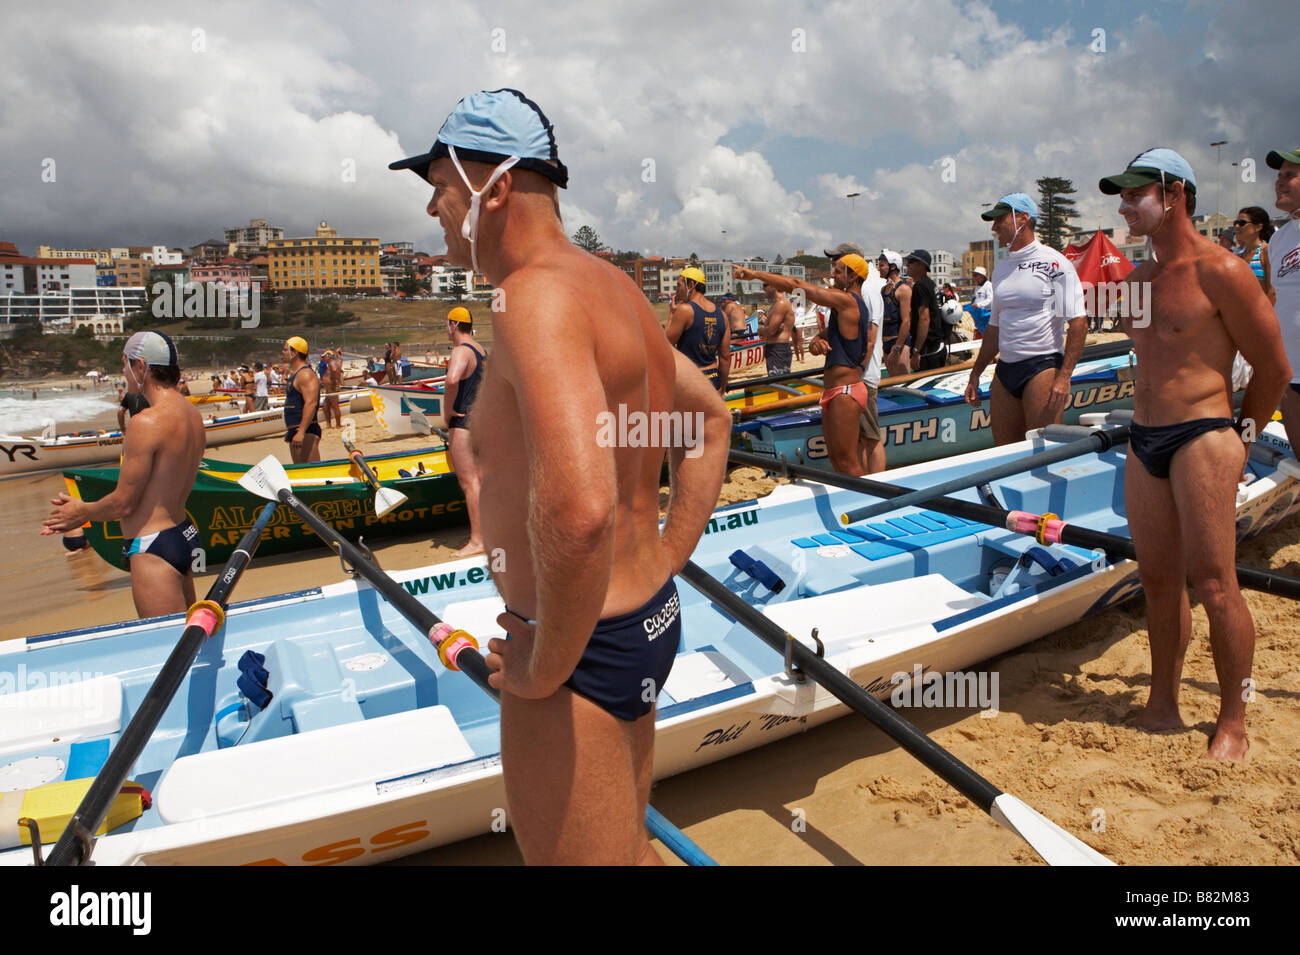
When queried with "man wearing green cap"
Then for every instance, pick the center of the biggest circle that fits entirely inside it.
(1186, 451)
(570, 518)
(1284, 266)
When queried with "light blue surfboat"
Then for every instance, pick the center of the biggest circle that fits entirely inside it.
(370, 749)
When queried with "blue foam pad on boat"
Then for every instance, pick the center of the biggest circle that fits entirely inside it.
(947, 520)
(906, 526)
(804, 542)
(879, 549)
(85, 759)
(863, 534)
(826, 539)
(928, 523)
(846, 537)
(887, 530)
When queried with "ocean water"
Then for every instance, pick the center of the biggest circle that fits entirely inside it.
(70, 411)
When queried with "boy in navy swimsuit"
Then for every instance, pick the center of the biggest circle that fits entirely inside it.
(1180, 492)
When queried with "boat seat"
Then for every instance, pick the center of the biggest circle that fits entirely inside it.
(699, 673)
(309, 764)
(68, 712)
(874, 610)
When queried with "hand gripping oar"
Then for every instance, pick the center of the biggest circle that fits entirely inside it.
(202, 621)
(1054, 844)
(1097, 441)
(386, 498)
(456, 649)
(1046, 528)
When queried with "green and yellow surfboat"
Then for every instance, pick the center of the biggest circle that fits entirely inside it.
(222, 510)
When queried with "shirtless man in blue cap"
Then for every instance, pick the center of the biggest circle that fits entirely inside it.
(593, 616)
(1186, 451)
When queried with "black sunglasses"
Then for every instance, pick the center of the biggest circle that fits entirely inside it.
(1241, 222)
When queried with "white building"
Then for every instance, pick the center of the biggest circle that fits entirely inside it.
(161, 255)
(943, 268)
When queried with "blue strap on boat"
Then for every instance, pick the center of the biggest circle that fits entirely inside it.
(85, 759)
(254, 678)
(758, 570)
(1044, 559)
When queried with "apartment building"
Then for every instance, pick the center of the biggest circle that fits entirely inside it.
(325, 262)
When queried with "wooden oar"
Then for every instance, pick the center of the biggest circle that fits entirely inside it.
(386, 498)
(1054, 844)
(202, 621)
(1097, 441)
(1047, 528)
(456, 648)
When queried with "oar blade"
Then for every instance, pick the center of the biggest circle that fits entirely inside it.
(266, 479)
(419, 423)
(386, 499)
(1054, 844)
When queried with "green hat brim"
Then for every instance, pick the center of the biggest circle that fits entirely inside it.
(1277, 156)
(1000, 209)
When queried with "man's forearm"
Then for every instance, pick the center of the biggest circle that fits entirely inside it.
(1074, 338)
(1262, 396)
(573, 554)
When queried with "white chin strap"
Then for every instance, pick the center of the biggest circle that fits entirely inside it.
(469, 228)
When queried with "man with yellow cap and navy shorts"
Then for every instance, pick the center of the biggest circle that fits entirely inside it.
(160, 457)
(301, 399)
(699, 329)
(570, 510)
(849, 341)
(464, 373)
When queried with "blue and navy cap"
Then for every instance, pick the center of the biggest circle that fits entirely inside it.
(491, 126)
(1012, 202)
(1153, 165)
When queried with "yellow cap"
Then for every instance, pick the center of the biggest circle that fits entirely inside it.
(297, 344)
(693, 274)
(460, 314)
(857, 263)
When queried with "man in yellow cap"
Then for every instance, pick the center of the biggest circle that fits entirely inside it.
(464, 372)
(698, 329)
(851, 343)
(301, 397)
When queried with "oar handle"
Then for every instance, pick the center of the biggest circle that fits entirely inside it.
(203, 620)
(363, 466)
(907, 497)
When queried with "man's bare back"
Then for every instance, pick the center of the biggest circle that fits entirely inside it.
(172, 436)
(603, 330)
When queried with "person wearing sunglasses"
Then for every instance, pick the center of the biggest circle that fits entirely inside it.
(1253, 230)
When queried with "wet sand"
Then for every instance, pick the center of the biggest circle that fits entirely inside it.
(1062, 741)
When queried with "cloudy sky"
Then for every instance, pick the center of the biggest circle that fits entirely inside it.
(169, 122)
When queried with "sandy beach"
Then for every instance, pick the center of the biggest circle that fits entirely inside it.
(1062, 740)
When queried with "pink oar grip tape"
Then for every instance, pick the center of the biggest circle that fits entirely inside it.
(206, 614)
(1046, 528)
(450, 643)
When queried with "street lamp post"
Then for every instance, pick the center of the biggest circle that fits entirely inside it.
(1236, 178)
(852, 225)
(1218, 173)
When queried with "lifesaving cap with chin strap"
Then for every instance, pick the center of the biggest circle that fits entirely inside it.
(1152, 165)
(153, 348)
(503, 127)
(1012, 202)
